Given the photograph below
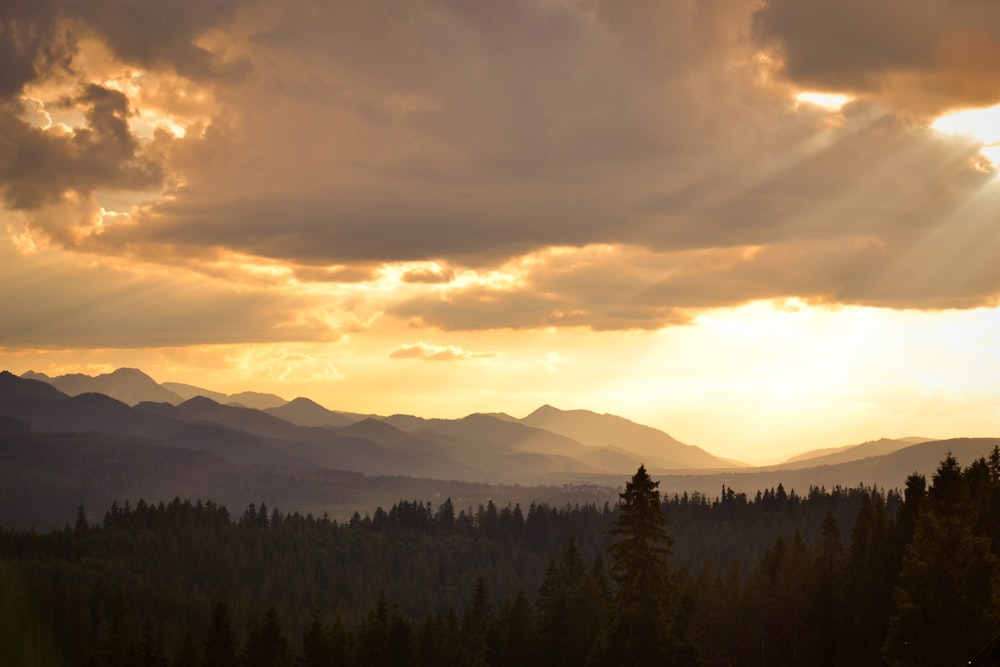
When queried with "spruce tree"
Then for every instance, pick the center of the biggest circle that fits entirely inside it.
(220, 641)
(948, 596)
(641, 629)
(315, 641)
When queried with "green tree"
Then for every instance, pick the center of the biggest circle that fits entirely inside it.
(266, 643)
(827, 600)
(149, 653)
(518, 641)
(642, 626)
(187, 654)
(869, 582)
(315, 641)
(947, 601)
(373, 633)
(220, 640)
(476, 625)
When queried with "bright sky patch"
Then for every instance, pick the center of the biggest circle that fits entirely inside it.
(983, 125)
(828, 101)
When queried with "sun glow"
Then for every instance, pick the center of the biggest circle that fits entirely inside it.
(828, 101)
(983, 125)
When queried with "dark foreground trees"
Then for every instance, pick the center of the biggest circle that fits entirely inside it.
(948, 596)
(856, 577)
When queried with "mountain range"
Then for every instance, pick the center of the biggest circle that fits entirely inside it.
(584, 453)
(494, 447)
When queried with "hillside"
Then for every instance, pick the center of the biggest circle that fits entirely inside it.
(659, 450)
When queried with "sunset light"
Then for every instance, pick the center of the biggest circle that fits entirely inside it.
(727, 222)
(982, 125)
(545, 332)
(828, 101)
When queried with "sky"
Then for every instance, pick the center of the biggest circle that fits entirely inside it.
(761, 226)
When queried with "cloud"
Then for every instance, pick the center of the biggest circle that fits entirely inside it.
(157, 34)
(925, 56)
(630, 287)
(40, 166)
(626, 164)
(32, 44)
(431, 275)
(426, 352)
(53, 299)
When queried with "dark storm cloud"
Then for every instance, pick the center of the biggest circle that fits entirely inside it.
(469, 134)
(466, 131)
(38, 42)
(947, 53)
(156, 34)
(38, 167)
(38, 37)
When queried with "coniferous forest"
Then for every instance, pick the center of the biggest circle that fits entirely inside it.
(856, 576)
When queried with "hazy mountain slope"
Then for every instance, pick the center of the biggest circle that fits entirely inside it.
(9, 425)
(605, 430)
(45, 477)
(373, 448)
(245, 419)
(415, 455)
(247, 436)
(486, 434)
(483, 429)
(128, 385)
(88, 413)
(306, 412)
(240, 447)
(257, 400)
(886, 472)
(247, 399)
(835, 455)
(12, 386)
(189, 391)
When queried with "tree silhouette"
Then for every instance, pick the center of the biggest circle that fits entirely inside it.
(220, 640)
(641, 629)
(948, 597)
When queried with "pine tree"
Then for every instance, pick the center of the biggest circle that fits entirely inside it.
(827, 597)
(220, 640)
(948, 597)
(373, 633)
(642, 629)
(187, 654)
(518, 645)
(476, 624)
(266, 643)
(149, 653)
(315, 642)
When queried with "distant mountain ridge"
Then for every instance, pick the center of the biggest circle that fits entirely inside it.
(128, 385)
(659, 449)
(835, 455)
(544, 445)
(132, 386)
(480, 448)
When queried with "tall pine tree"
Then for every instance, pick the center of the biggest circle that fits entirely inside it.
(642, 626)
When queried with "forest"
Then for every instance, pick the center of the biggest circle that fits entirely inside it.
(858, 576)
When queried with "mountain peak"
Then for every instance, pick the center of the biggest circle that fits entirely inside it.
(302, 401)
(545, 410)
(199, 401)
(130, 373)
